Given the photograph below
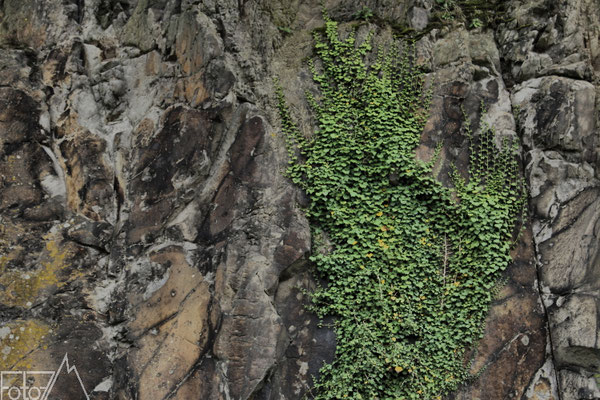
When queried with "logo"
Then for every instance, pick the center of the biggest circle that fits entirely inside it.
(39, 385)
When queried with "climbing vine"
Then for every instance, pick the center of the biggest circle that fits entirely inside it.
(474, 13)
(410, 264)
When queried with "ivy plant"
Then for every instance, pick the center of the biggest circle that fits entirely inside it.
(410, 264)
(480, 13)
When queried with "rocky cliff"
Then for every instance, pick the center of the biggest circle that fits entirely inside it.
(148, 229)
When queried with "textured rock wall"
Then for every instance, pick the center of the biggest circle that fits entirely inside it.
(148, 231)
(555, 75)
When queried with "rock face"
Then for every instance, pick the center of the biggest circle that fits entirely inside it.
(557, 114)
(148, 231)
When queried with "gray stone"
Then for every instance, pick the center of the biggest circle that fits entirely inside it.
(451, 48)
(575, 386)
(483, 51)
(554, 181)
(573, 66)
(418, 18)
(569, 257)
(573, 321)
(556, 113)
(533, 65)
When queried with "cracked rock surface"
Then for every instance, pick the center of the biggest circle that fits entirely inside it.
(147, 229)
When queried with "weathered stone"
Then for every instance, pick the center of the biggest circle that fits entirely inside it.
(418, 18)
(575, 386)
(556, 114)
(556, 119)
(161, 187)
(573, 321)
(450, 49)
(310, 345)
(89, 233)
(89, 184)
(554, 181)
(533, 65)
(252, 326)
(23, 23)
(515, 334)
(568, 258)
(575, 70)
(561, 30)
(147, 228)
(483, 51)
(171, 327)
(544, 385)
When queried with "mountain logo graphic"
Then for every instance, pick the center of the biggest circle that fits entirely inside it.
(39, 385)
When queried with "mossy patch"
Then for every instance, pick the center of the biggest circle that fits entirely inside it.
(473, 13)
(23, 287)
(18, 339)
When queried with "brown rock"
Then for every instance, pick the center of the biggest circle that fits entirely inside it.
(171, 328)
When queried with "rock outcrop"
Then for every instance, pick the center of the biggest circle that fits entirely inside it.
(148, 229)
(555, 73)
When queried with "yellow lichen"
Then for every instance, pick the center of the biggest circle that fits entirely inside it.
(18, 340)
(23, 288)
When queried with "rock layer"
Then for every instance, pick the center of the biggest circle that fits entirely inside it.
(148, 229)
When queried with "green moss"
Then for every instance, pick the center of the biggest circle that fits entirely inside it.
(413, 264)
(474, 13)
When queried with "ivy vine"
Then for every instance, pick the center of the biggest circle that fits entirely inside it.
(475, 13)
(410, 264)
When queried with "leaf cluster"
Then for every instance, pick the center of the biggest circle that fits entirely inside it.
(476, 13)
(413, 264)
